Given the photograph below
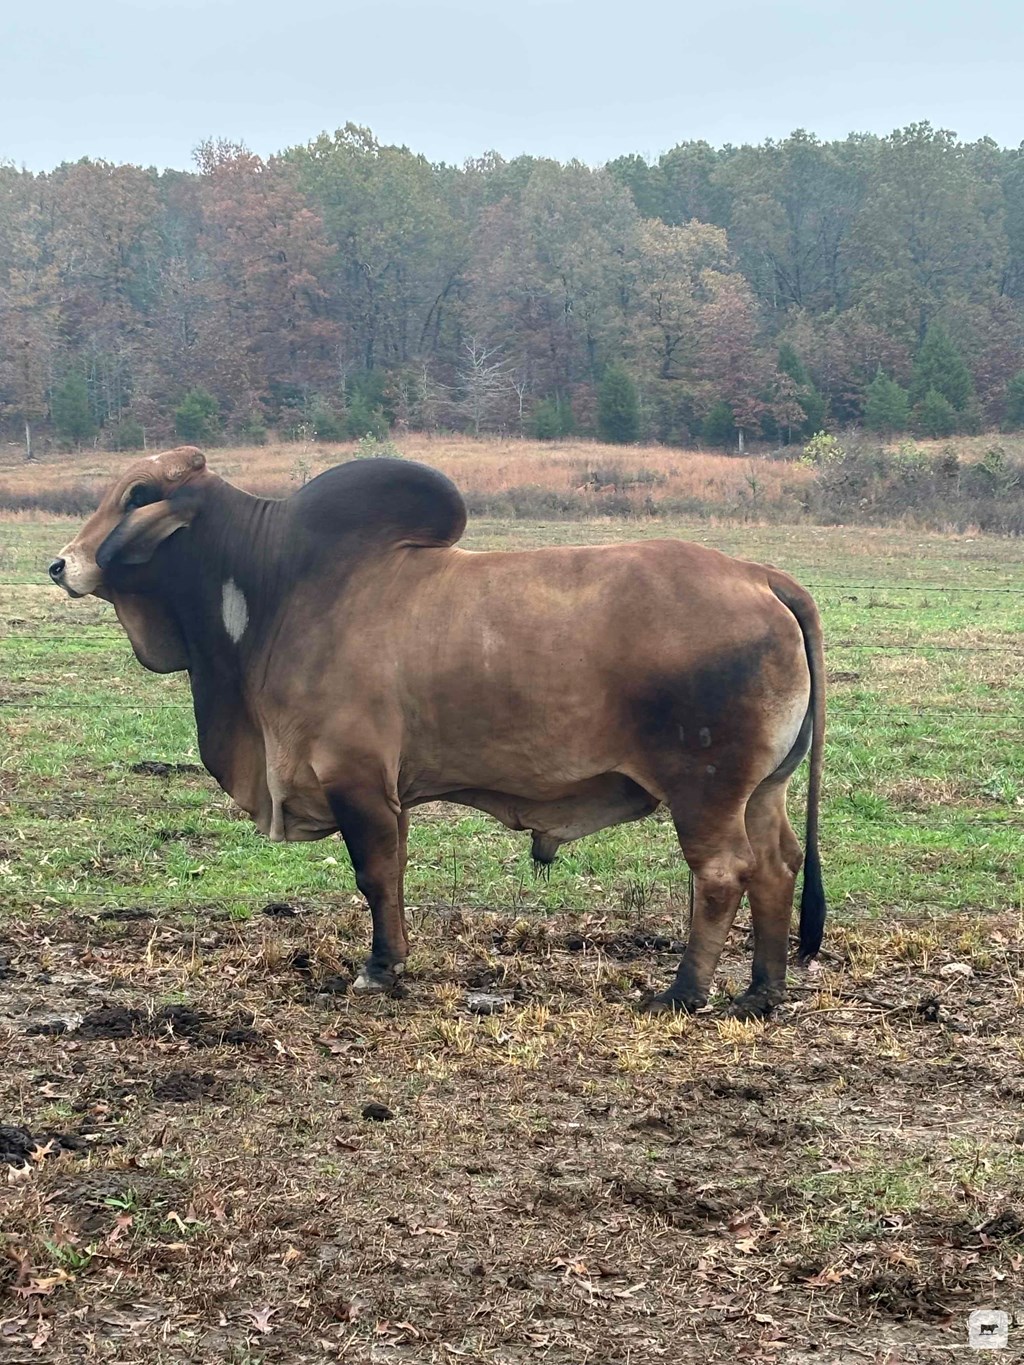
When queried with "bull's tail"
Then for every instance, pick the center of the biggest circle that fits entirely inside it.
(812, 898)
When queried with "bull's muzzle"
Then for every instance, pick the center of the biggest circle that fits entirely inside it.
(69, 572)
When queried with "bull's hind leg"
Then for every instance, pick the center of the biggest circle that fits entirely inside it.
(721, 859)
(375, 839)
(770, 891)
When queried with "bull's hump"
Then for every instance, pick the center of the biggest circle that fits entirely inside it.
(387, 501)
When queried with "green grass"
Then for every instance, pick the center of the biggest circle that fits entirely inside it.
(924, 798)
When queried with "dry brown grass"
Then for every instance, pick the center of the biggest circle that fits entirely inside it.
(583, 472)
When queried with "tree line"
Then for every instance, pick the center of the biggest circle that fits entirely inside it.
(345, 287)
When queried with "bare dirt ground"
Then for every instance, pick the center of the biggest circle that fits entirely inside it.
(214, 1153)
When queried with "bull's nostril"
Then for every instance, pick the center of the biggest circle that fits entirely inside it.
(57, 570)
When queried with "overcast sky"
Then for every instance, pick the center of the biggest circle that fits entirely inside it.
(145, 80)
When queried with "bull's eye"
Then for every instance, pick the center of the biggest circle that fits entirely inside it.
(141, 496)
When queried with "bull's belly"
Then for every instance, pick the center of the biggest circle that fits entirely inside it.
(581, 808)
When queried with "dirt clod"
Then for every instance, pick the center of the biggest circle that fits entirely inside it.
(47, 1027)
(280, 910)
(333, 985)
(1007, 1226)
(377, 1113)
(18, 1146)
(183, 1086)
(173, 1021)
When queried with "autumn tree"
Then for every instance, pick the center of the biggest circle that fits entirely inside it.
(269, 257)
(927, 235)
(793, 206)
(28, 326)
(551, 270)
(730, 361)
(400, 250)
(671, 263)
(105, 251)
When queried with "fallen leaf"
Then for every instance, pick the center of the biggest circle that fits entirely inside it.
(42, 1284)
(122, 1223)
(348, 1310)
(131, 1317)
(829, 1275)
(260, 1318)
(572, 1267)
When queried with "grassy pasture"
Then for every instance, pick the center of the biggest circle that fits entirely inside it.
(563, 1181)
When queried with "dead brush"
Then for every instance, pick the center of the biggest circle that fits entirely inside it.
(741, 1035)
(636, 897)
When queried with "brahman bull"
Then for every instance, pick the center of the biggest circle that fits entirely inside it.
(348, 661)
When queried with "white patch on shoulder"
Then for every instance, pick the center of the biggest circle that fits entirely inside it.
(233, 610)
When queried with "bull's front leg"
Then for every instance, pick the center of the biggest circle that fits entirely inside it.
(375, 838)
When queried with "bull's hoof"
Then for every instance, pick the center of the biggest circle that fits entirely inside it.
(374, 979)
(756, 1004)
(667, 1003)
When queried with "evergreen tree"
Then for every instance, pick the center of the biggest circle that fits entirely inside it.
(935, 415)
(940, 366)
(72, 414)
(1015, 402)
(197, 417)
(128, 434)
(719, 427)
(618, 408)
(813, 404)
(326, 423)
(815, 410)
(886, 405)
(550, 419)
(790, 363)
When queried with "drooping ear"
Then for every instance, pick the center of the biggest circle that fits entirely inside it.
(136, 536)
(158, 643)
